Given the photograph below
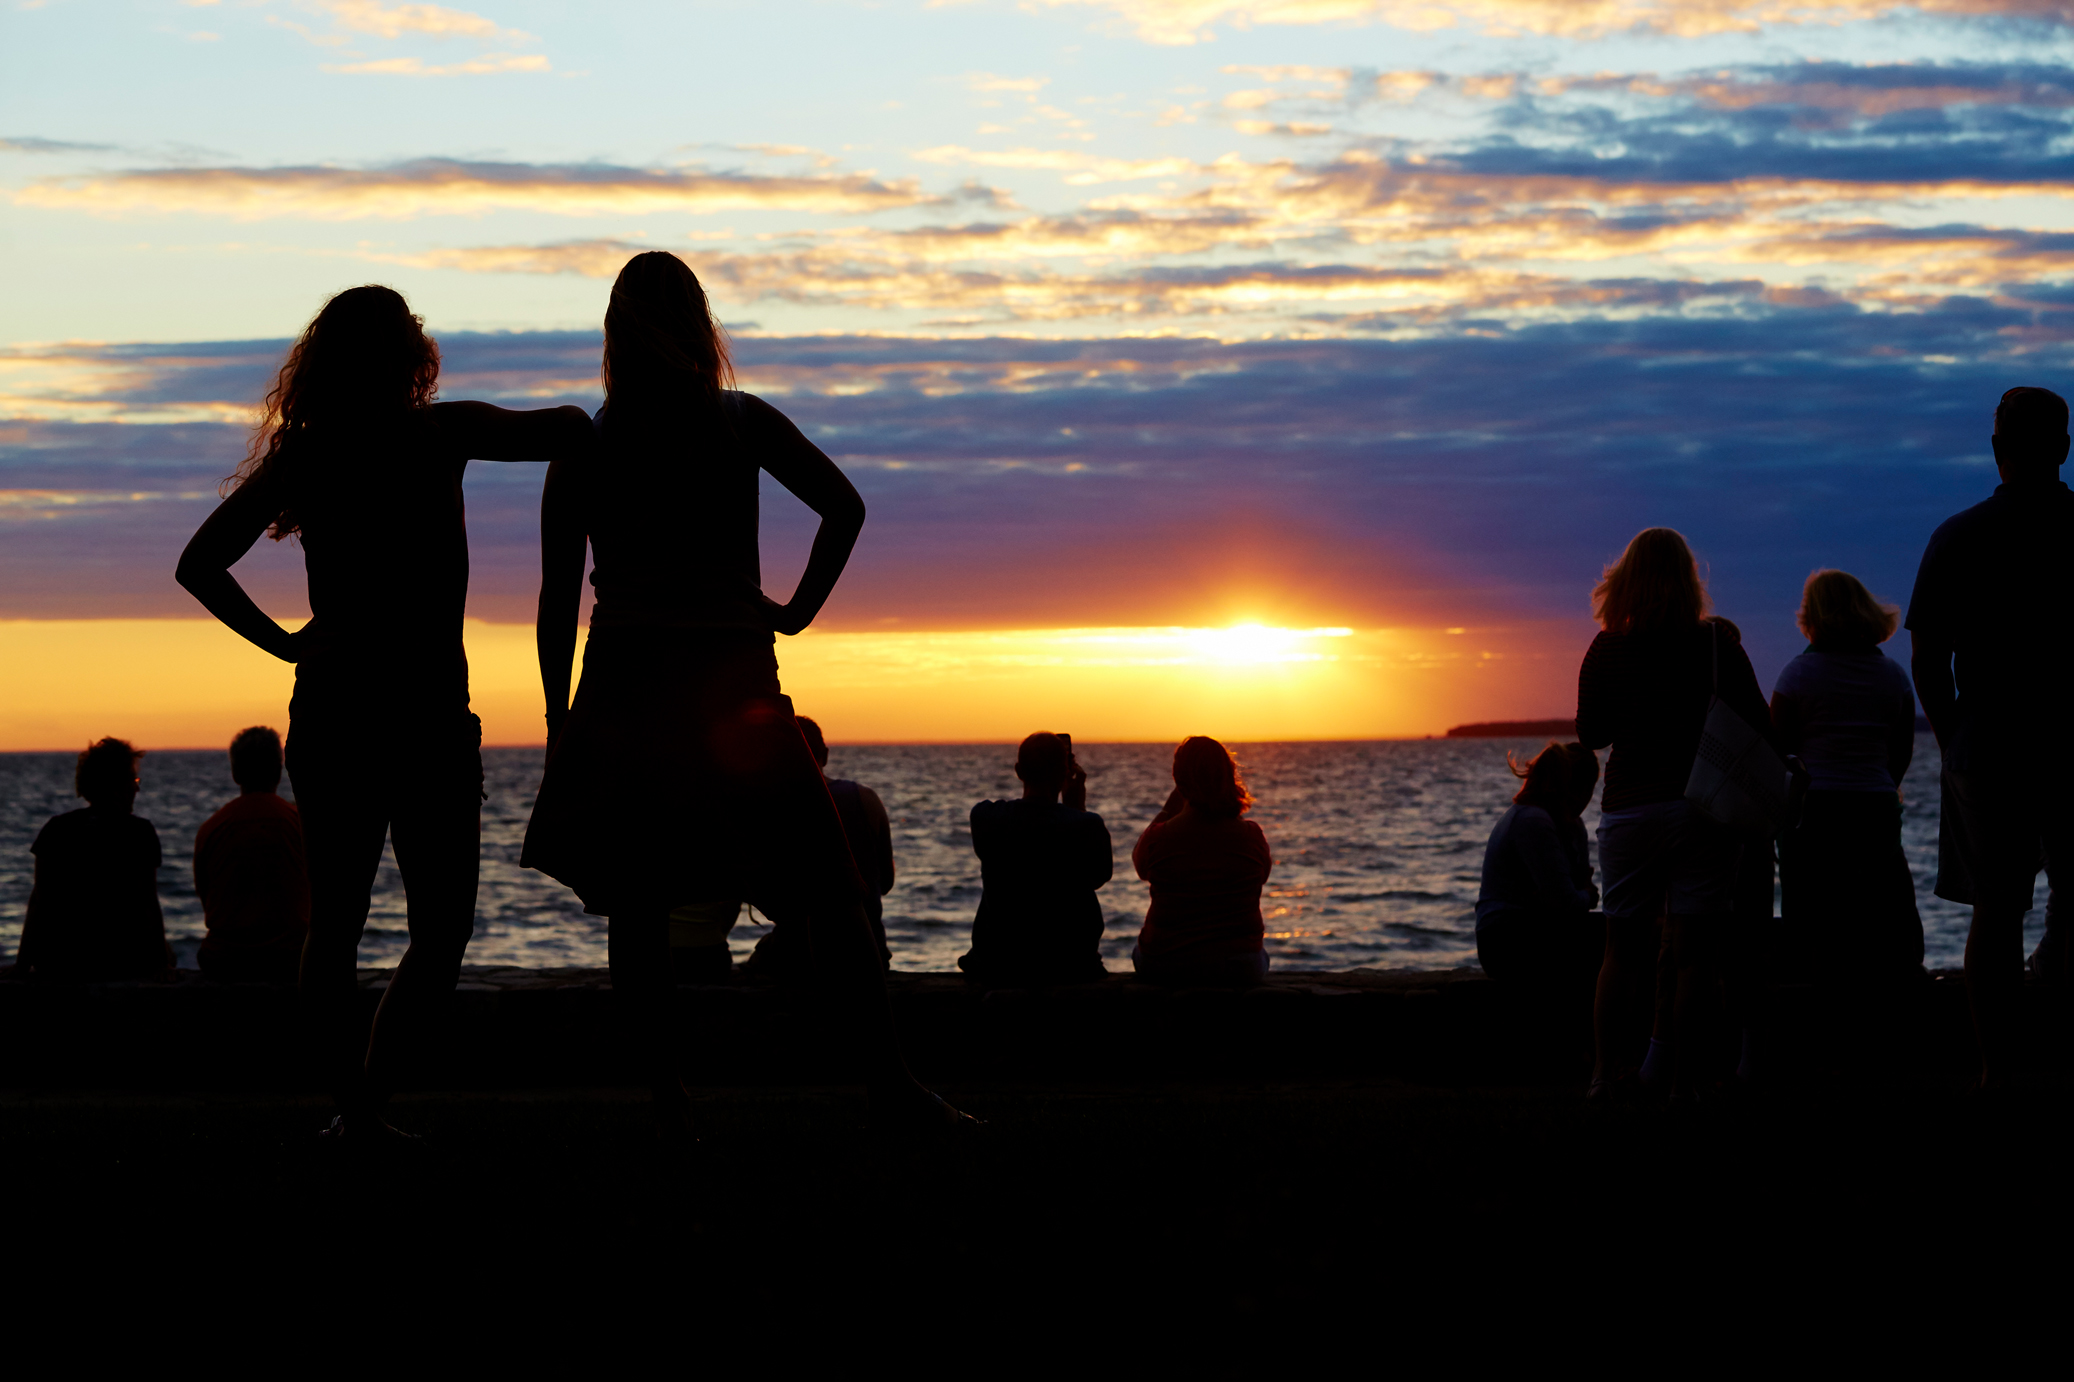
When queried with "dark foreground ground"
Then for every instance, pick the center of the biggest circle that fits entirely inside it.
(1236, 1193)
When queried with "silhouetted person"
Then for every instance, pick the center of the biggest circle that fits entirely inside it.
(355, 458)
(93, 911)
(1534, 918)
(1644, 689)
(250, 872)
(1846, 893)
(785, 953)
(1993, 657)
(1205, 865)
(679, 774)
(1040, 860)
(869, 830)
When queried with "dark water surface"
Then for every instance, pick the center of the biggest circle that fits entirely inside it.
(1378, 848)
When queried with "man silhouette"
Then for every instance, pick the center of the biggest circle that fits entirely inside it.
(1993, 635)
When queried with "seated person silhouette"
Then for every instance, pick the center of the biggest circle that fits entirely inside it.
(1040, 860)
(250, 873)
(93, 909)
(1206, 865)
(781, 952)
(870, 832)
(1534, 918)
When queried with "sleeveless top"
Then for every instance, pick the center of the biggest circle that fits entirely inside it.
(672, 510)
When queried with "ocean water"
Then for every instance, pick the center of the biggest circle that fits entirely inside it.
(1378, 849)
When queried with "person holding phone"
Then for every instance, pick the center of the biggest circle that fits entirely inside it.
(1042, 857)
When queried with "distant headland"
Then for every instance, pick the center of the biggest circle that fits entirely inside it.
(1516, 729)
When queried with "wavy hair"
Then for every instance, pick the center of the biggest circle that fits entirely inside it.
(1208, 776)
(1837, 610)
(1544, 778)
(661, 340)
(364, 357)
(1654, 586)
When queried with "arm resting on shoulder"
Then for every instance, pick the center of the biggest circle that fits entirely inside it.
(489, 433)
(563, 542)
(803, 468)
(1930, 663)
(225, 536)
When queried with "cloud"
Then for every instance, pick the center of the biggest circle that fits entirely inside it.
(1081, 169)
(454, 187)
(26, 144)
(433, 21)
(1019, 481)
(1192, 21)
(414, 67)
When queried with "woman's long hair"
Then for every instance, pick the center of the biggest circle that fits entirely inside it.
(662, 345)
(1654, 586)
(1208, 777)
(1544, 778)
(364, 357)
(1836, 610)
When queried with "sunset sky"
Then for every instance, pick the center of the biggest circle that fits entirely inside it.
(1371, 327)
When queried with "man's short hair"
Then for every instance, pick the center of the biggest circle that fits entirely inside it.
(255, 758)
(107, 768)
(2031, 414)
(1041, 761)
(811, 732)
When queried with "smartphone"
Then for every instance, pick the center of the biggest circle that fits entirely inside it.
(1069, 744)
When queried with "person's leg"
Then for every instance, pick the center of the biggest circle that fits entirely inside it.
(1634, 862)
(638, 943)
(343, 827)
(1695, 1028)
(437, 834)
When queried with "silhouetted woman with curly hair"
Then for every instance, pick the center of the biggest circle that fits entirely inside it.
(354, 458)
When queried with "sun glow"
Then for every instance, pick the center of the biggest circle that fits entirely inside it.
(63, 682)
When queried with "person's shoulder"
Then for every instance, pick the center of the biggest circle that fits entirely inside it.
(60, 830)
(1724, 626)
(1968, 522)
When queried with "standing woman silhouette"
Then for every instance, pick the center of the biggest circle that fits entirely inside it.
(679, 774)
(354, 458)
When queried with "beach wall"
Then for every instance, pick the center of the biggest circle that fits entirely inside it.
(545, 1028)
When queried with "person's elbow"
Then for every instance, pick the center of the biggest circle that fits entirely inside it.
(193, 571)
(847, 512)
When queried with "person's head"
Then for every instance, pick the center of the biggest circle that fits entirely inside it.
(1043, 761)
(363, 357)
(2030, 433)
(1837, 611)
(811, 732)
(255, 759)
(1654, 586)
(1544, 778)
(1584, 776)
(107, 773)
(1208, 777)
(661, 341)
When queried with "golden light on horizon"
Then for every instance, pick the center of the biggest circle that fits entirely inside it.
(193, 683)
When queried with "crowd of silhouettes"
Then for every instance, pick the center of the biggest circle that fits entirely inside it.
(680, 787)
(1686, 938)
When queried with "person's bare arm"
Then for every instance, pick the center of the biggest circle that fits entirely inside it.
(563, 542)
(1073, 794)
(1901, 742)
(803, 468)
(219, 544)
(1930, 662)
(485, 432)
(1787, 726)
(881, 835)
(32, 927)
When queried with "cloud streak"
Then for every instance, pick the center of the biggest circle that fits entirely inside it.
(456, 187)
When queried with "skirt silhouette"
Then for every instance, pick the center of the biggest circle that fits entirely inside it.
(680, 777)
